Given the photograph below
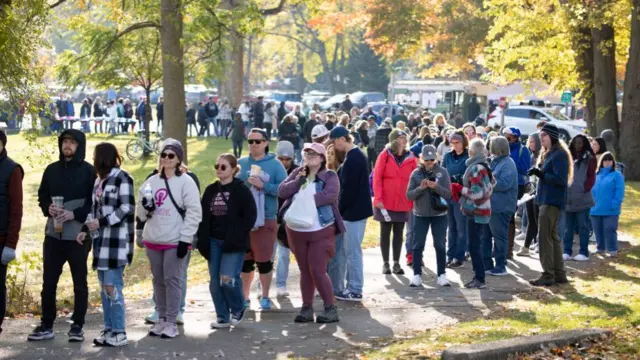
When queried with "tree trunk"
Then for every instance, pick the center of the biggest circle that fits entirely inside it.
(147, 119)
(631, 102)
(247, 73)
(583, 42)
(604, 66)
(328, 75)
(301, 82)
(234, 57)
(175, 125)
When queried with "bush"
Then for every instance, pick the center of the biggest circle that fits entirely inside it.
(19, 297)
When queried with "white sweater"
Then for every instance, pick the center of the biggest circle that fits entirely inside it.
(166, 226)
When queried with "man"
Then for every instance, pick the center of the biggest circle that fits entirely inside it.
(522, 157)
(258, 113)
(212, 111)
(202, 119)
(319, 134)
(141, 113)
(285, 154)
(369, 113)
(400, 117)
(160, 113)
(11, 175)
(346, 105)
(458, 120)
(473, 109)
(355, 207)
(263, 173)
(72, 179)
(300, 115)
(307, 130)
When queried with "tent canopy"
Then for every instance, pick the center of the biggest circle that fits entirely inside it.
(526, 92)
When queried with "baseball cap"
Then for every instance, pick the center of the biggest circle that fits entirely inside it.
(316, 147)
(319, 131)
(429, 152)
(338, 132)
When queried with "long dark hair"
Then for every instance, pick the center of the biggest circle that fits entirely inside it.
(607, 156)
(602, 144)
(586, 148)
(105, 158)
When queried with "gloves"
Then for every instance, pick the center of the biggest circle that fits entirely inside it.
(8, 255)
(139, 239)
(534, 171)
(150, 206)
(183, 248)
(456, 190)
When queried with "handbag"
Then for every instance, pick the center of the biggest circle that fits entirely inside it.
(303, 211)
(438, 203)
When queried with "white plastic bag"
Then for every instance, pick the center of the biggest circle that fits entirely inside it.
(302, 212)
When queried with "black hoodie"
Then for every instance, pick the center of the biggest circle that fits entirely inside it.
(74, 180)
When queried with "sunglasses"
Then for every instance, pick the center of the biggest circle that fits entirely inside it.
(428, 160)
(221, 167)
(170, 156)
(252, 142)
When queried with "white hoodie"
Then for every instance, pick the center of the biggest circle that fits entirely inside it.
(166, 226)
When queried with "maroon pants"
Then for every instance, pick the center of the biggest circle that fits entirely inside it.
(313, 250)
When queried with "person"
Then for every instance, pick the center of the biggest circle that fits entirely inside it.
(391, 207)
(237, 134)
(11, 211)
(71, 113)
(400, 117)
(444, 147)
(430, 189)
(532, 209)
(307, 131)
(457, 120)
(470, 131)
(245, 110)
(112, 211)
(455, 163)
(504, 201)
(112, 118)
(285, 154)
(191, 118)
(229, 213)
(331, 122)
(71, 178)
(263, 173)
(169, 204)
(202, 118)
(475, 201)
(270, 118)
(608, 193)
(599, 147)
(314, 246)
(380, 140)
(85, 114)
(98, 113)
(473, 109)
(355, 208)
(335, 159)
(212, 112)
(141, 112)
(257, 112)
(282, 112)
(609, 137)
(224, 119)
(160, 113)
(288, 130)
(579, 197)
(554, 173)
(319, 134)
(346, 104)
(301, 118)
(522, 158)
(362, 127)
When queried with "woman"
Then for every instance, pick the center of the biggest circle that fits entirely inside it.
(288, 130)
(228, 214)
(362, 127)
(170, 205)
(315, 246)
(344, 120)
(270, 118)
(608, 194)
(532, 209)
(401, 125)
(424, 131)
(579, 199)
(282, 112)
(470, 131)
(98, 112)
(430, 189)
(391, 206)
(599, 147)
(111, 226)
(455, 163)
(224, 118)
(335, 158)
(444, 146)
(440, 121)
(85, 113)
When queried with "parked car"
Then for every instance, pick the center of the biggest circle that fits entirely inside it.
(332, 102)
(361, 99)
(526, 118)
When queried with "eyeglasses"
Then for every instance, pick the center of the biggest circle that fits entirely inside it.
(428, 160)
(170, 156)
(252, 142)
(221, 167)
(310, 154)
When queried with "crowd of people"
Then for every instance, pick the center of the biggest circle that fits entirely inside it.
(312, 197)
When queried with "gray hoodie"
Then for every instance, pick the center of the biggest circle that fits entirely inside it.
(422, 197)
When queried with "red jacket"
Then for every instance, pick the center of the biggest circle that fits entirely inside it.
(390, 181)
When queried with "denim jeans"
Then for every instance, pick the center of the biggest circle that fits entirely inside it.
(355, 270)
(561, 223)
(183, 302)
(282, 266)
(212, 122)
(496, 230)
(113, 306)
(606, 230)
(525, 220)
(438, 233)
(579, 219)
(457, 222)
(409, 235)
(226, 293)
(337, 267)
(475, 246)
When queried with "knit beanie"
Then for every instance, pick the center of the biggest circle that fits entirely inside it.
(175, 146)
(551, 130)
(396, 133)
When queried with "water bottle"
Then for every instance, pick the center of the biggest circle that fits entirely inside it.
(148, 193)
(94, 234)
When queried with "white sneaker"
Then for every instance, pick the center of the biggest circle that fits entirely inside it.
(116, 340)
(170, 331)
(443, 281)
(282, 291)
(521, 237)
(219, 325)
(416, 281)
(158, 328)
(180, 318)
(566, 257)
(580, 257)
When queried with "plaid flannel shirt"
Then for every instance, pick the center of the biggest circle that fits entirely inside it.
(115, 211)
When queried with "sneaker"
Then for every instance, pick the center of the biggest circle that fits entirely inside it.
(99, 341)
(153, 318)
(475, 284)
(580, 257)
(170, 331)
(180, 318)
(116, 340)
(542, 281)
(496, 272)
(409, 259)
(349, 296)
(397, 269)
(523, 252)
(282, 291)
(305, 316)
(455, 264)
(330, 315)
(566, 257)
(265, 303)
(219, 324)
(521, 237)
(158, 328)
(416, 281)
(247, 303)
(443, 281)
(41, 332)
(386, 269)
(467, 256)
(534, 247)
(561, 280)
(612, 254)
(599, 252)
(76, 334)
(237, 318)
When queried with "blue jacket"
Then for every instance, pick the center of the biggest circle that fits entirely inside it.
(272, 167)
(522, 157)
(505, 191)
(608, 193)
(70, 110)
(455, 166)
(552, 187)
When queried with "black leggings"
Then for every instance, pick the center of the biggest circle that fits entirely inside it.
(385, 239)
(533, 211)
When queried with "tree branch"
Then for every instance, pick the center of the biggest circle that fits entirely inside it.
(309, 47)
(56, 4)
(275, 10)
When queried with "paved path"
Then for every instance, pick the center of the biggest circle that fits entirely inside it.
(390, 308)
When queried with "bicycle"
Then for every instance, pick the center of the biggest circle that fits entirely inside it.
(137, 148)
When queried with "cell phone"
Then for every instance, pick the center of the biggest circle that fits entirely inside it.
(432, 178)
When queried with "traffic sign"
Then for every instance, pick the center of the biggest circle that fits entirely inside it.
(566, 97)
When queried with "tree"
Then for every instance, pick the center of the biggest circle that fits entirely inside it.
(629, 144)
(365, 70)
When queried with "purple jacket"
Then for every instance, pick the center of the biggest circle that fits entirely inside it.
(329, 195)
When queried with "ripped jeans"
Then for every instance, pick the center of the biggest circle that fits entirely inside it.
(113, 306)
(225, 285)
